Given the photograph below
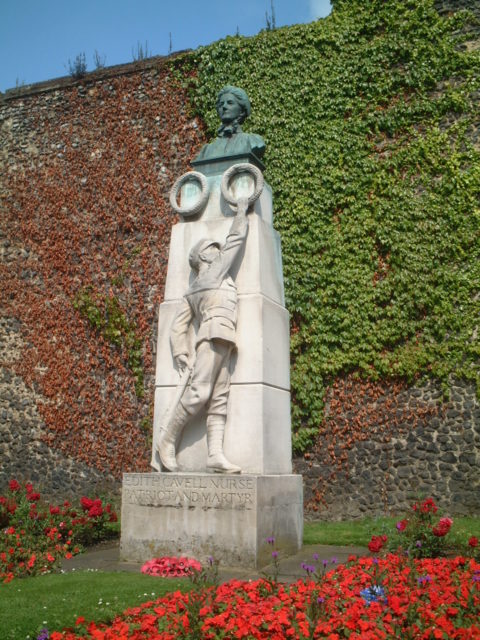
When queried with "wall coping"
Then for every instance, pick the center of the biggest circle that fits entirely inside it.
(90, 77)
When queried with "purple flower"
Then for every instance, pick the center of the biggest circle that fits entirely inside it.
(320, 600)
(274, 554)
(210, 560)
(308, 568)
(271, 540)
(315, 557)
(424, 579)
(418, 543)
(43, 635)
(333, 560)
(325, 562)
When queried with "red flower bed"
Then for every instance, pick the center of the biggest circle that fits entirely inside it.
(366, 599)
(35, 537)
(171, 567)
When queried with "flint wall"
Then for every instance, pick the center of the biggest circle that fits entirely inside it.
(70, 419)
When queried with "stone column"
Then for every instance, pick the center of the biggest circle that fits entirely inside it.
(187, 512)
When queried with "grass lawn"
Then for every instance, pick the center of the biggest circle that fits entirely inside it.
(346, 533)
(359, 532)
(55, 601)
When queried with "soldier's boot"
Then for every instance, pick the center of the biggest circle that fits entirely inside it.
(216, 461)
(168, 438)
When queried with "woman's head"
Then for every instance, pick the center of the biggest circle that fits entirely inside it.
(233, 104)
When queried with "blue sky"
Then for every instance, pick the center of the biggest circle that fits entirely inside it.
(38, 38)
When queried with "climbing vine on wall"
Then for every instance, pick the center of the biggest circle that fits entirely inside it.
(369, 117)
(371, 123)
(107, 316)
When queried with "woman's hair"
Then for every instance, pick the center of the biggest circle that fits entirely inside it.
(241, 97)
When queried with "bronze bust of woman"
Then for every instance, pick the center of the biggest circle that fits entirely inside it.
(233, 107)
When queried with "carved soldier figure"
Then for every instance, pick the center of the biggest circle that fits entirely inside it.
(211, 304)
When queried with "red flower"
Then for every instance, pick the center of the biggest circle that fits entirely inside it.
(13, 485)
(86, 503)
(376, 543)
(54, 510)
(428, 506)
(443, 527)
(11, 507)
(473, 542)
(29, 487)
(402, 525)
(96, 509)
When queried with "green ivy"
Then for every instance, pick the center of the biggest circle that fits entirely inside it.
(105, 315)
(369, 117)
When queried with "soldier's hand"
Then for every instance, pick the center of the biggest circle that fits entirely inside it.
(182, 362)
(242, 206)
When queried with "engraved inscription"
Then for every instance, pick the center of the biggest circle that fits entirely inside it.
(189, 491)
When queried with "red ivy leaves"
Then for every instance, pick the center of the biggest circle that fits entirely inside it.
(89, 205)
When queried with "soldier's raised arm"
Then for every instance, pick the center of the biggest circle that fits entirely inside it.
(236, 237)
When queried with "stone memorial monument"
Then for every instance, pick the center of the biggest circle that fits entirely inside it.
(221, 452)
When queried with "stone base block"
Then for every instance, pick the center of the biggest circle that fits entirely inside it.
(201, 515)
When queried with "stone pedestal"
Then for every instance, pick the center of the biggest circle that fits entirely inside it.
(201, 515)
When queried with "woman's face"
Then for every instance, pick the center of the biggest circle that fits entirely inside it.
(228, 108)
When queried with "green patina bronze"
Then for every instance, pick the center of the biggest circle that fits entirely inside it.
(233, 107)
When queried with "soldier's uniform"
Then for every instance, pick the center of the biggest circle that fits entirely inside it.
(211, 304)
